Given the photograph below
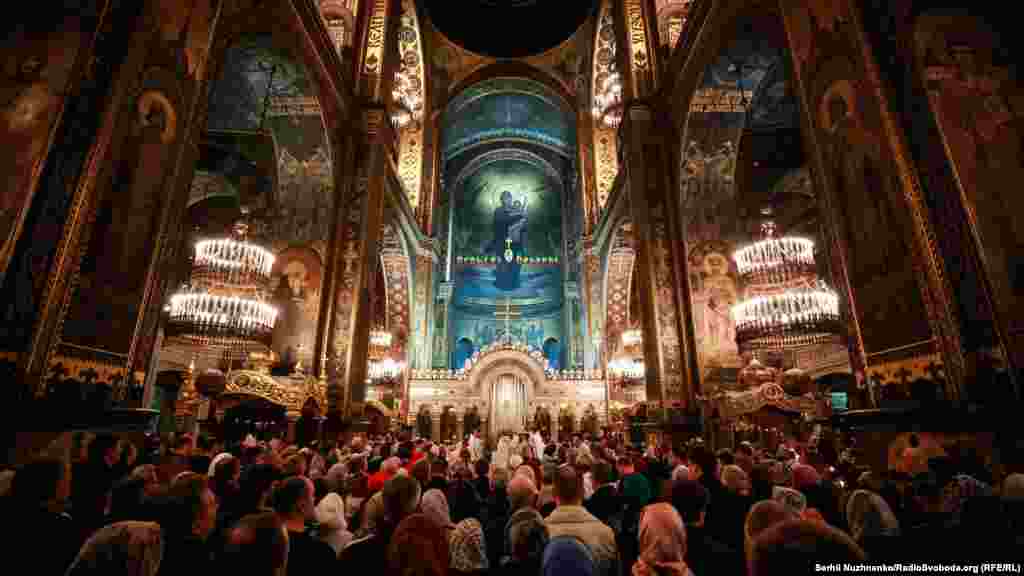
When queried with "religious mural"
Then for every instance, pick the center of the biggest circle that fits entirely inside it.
(295, 281)
(507, 255)
(715, 290)
(262, 89)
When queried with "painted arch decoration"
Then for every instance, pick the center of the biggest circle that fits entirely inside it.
(605, 82)
(397, 279)
(408, 95)
(621, 259)
(672, 15)
(508, 109)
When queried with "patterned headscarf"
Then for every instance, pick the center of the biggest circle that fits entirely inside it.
(662, 542)
(129, 548)
(467, 547)
(869, 515)
(526, 535)
(735, 479)
(434, 505)
(792, 499)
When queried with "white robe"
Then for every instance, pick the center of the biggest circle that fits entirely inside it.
(475, 448)
(503, 453)
(537, 443)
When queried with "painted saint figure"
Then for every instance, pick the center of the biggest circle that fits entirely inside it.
(508, 244)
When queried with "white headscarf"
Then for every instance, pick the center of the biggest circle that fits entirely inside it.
(330, 513)
(217, 460)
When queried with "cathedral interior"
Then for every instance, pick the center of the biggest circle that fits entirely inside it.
(736, 214)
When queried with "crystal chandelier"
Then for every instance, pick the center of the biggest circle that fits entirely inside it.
(407, 95)
(787, 305)
(223, 306)
(632, 338)
(627, 369)
(608, 101)
(380, 338)
(384, 370)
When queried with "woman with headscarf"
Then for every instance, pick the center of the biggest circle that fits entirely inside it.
(526, 536)
(434, 505)
(764, 515)
(128, 548)
(418, 546)
(872, 523)
(467, 548)
(790, 498)
(567, 556)
(330, 513)
(662, 543)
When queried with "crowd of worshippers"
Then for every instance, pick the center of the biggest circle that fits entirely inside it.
(404, 506)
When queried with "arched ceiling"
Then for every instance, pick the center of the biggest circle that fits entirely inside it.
(508, 28)
(507, 109)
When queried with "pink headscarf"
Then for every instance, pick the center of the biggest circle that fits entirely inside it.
(662, 542)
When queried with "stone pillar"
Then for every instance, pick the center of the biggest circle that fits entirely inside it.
(670, 363)
(102, 285)
(435, 423)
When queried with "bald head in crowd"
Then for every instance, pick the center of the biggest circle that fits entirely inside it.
(568, 487)
(522, 493)
(789, 547)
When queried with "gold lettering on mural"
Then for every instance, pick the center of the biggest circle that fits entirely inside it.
(637, 33)
(721, 100)
(375, 38)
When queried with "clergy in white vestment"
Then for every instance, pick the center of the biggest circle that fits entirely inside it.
(476, 446)
(537, 445)
(503, 453)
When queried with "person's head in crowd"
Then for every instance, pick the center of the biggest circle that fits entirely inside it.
(103, 450)
(703, 464)
(499, 477)
(421, 471)
(226, 475)
(482, 468)
(567, 556)
(295, 465)
(467, 548)
(601, 471)
(401, 498)
(439, 468)
(568, 487)
(183, 445)
(391, 465)
(522, 493)
(293, 500)
(434, 505)
(690, 498)
(258, 545)
(662, 542)
(254, 455)
(257, 485)
(914, 441)
(131, 548)
(725, 457)
(526, 470)
(764, 515)
(794, 546)
(192, 507)
(418, 547)
(736, 480)
(626, 466)
(678, 455)
(127, 499)
(805, 477)
(869, 516)
(42, 484)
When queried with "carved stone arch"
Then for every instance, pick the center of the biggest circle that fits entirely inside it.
(514, 361)
(619, 267)
(397, 277)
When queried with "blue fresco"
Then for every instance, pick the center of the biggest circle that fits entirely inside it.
(507, 109)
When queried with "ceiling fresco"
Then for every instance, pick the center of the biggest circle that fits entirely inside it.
(507, 109)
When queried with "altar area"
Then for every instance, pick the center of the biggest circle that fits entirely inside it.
(507, 385)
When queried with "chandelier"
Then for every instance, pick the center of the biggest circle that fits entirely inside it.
(632, 338)
(627, 369)
(380, 338)
(608, 100)
(223, 306)
(384, 370)
(407, 95)
(788, 306)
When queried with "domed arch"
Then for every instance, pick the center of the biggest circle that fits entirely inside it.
(520, 363)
